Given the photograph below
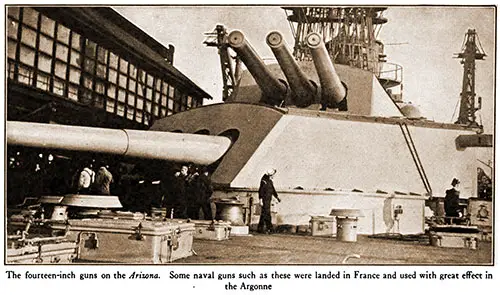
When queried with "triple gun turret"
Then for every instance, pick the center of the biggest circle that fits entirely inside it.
(299, 88)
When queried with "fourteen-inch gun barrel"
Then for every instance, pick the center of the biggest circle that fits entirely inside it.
(272, 88)
(303, 90)
(332, 89)
(178, 147)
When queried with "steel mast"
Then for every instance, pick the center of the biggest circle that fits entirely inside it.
(470, 52)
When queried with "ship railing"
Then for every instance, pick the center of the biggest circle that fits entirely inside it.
(390, 71)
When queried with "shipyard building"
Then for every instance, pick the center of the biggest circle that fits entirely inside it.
(85, 66)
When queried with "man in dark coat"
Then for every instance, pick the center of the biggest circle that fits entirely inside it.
(206, 190)
(103, 180)
(451, 200)
(175, 193)
(266, 193)
(193, 193)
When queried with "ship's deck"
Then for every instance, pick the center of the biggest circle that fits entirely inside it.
(301, 249)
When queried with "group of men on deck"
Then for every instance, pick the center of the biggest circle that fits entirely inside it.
(187, 193)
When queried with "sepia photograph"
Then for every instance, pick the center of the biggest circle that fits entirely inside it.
(268, 135)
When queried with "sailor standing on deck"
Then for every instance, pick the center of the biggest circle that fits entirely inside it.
(175, 197)
(451, 200)
(85, 180)
(266, 193)
(103, 180)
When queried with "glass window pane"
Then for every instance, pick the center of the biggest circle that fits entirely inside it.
(48, 26)
(171, 91)
(76, 58)
(133, 71)
(141, 76)
(46, 45)
(131, 99)
(42, 81)
(156, 108)
(73, 92)
(28, 36)
(63, 34)
(30, 17)
(27, 56)
(130, 114)
(165, 88)
(90, 49)
(150, 80)
(60, 69)
(170, 104)
(138, 116)
(13, 26)
(11, 48)
(189, 101)
(120, 109)
(58, 87)
(123, 66)
(89, 66)
(112, 91)
(157, 96)
(74, 75)
(121, 95)
(13, 12)
(87, 82)
(140, 89)
(113, 60)
(75, 41)
(44, 63)
(140, 103)
(110, 105)
(148, 107)
(62, 52)
(112, 76)
(101, 71)
(149, 93)
(102, 54)
(25, 75)
(122, 81)
(99, 87)
(158, 84)
(131, 85)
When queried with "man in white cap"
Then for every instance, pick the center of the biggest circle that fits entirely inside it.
(266, 193)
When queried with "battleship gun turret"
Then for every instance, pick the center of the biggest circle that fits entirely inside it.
(177, 147)
(333, 91)
(303, 89)
(273, 89)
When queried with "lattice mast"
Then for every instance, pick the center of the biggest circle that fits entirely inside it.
(471, 51)
(349, 33)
